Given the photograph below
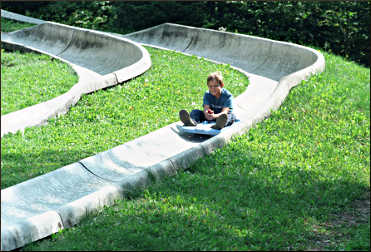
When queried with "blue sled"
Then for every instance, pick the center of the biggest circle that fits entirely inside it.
(204, 128)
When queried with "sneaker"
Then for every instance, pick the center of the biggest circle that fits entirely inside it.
(186, 119)
(220, 122)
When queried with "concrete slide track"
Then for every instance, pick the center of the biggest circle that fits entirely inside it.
(41, 206)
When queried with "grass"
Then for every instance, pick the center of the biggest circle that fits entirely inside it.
(42, 78)
(111, 117)
(276, 188)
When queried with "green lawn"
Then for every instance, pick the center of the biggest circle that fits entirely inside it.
(30, 78)
(278, 187)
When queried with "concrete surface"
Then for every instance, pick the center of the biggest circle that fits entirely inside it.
(100, 60)
(38, 207)
(17, 17)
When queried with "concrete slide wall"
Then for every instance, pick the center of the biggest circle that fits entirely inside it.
(264, 57)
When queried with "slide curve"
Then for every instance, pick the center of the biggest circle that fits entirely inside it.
(100, 60)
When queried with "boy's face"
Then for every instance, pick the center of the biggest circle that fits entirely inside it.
(214, 88)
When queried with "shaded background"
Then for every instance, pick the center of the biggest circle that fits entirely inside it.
(339, 27)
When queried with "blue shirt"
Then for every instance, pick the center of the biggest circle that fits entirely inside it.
(225, 100)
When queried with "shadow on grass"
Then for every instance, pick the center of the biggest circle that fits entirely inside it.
(262, 209)
(214, 212)
(213, 205)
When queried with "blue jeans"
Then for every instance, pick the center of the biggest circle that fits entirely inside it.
(199, 117)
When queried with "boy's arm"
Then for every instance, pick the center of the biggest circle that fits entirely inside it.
(226, 107)
(212, 116)
(225, 110)
(206, 104)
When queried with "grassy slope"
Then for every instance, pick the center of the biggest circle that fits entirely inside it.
(277, 187)
(30, 78)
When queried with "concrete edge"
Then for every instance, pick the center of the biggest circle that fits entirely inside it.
(18, 17)
(31, 229)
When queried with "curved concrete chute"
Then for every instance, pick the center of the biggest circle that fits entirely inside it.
(264, 57)
(42, 38)
(100, 60)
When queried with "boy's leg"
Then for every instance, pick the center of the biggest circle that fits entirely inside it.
(186, 119)
(230, 120)
(198, 115)
(224, 121)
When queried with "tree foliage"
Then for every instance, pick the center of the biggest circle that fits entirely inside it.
(340, 27)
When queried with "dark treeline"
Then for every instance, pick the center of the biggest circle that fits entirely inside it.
(340, 27)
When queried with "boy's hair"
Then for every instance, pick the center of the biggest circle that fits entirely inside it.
(216, 76)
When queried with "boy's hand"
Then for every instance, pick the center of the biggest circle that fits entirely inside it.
(210, 115)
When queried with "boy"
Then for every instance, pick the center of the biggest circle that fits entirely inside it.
(217, 103)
